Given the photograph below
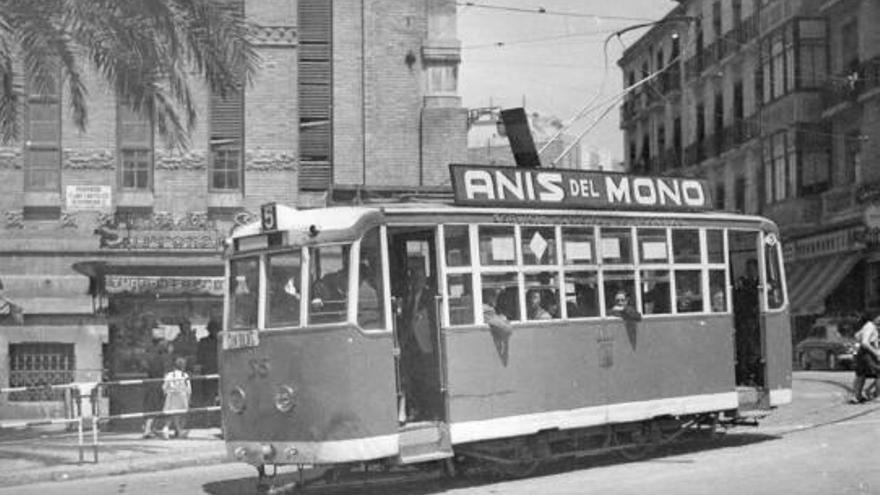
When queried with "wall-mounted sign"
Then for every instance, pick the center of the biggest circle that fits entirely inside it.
(87, 198)
(477, 185)
(164, 286)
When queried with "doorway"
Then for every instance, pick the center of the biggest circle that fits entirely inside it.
(745, 277)
(414, 288)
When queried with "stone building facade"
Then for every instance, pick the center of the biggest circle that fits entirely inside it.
(109, 238)
(776, 104)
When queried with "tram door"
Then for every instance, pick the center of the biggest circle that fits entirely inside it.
(744, 259)
(414, 287)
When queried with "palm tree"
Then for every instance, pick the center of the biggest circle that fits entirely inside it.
(147, 50)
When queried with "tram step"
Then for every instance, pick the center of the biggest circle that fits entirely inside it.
(423, 442)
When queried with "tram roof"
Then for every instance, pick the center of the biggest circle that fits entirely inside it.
(347, 218)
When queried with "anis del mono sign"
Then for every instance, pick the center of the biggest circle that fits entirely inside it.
(476, 185)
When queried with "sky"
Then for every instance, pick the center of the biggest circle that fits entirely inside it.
(552, 61)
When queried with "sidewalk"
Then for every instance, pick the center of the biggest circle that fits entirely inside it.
(54, 456)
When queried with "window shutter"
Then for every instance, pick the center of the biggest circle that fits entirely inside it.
(227, 116)
(315, 75)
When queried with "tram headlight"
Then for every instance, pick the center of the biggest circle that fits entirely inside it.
(284, 398)
(237, 400)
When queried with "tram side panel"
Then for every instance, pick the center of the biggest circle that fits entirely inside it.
(778, 356)
(341, 384)
(576, 374)
(679, 365)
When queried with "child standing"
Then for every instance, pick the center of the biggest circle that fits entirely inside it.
(178, 391)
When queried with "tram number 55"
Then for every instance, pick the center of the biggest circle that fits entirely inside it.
(269, 217)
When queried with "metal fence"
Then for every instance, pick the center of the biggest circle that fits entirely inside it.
(77, 393)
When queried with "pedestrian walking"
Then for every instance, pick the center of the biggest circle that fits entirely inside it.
(178, 390)
(867, 361)
(206, 364)
(157, 362)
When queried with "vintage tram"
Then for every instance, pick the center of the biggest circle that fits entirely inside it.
(487, 328)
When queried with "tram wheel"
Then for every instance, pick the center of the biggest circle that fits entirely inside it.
(641, 442)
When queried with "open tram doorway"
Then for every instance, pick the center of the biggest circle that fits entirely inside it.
(414, 288)
(745, 275)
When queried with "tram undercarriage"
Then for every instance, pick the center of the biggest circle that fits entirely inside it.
(519, 457)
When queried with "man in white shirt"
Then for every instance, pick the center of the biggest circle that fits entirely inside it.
(867, 359)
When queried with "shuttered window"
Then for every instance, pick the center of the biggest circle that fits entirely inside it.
(314, 87)
(42, 149)
(134, 134)
(226, 163)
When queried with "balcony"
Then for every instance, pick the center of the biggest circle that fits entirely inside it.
(795, 212)
(700, 151)
(849, 86)
(740, 132)
(840, 201)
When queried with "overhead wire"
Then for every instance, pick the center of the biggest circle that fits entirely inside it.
(611, 103)
(545, 12)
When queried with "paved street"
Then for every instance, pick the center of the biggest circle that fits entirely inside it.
(818, 445)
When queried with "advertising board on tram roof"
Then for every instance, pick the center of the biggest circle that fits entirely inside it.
(480, 185)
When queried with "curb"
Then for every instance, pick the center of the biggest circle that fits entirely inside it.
(112, 468)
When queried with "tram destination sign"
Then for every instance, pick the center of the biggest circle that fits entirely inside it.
(478, 185)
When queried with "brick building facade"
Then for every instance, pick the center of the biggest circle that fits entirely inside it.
(108, 237)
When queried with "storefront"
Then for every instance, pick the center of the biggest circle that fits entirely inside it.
(153, 286)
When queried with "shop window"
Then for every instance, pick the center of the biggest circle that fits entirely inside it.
(328, 296)
(285, 294)
(40, 364)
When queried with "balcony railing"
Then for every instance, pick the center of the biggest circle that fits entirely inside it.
(848, 86)
(740, 132)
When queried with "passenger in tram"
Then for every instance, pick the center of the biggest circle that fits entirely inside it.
(499, 325)
(535, 310)
(624, 308)
(585, 302)
(507, 303)
(745, 311)
(368, 299)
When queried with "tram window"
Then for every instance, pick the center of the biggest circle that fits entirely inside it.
(578, 245)
(458, 245)
(283, 301)
(686, 245)
(244, 286)
(539, 245)
(371, 307)
(497, 245)
(717, 290)
(616, 245)
(506, 290)
(773, 273)
(461, 299)
(715, 245)
(618, 282)
(581, 294)
(653, 246)
(328, 296)
(655, 292)
(542, 296)
(688, 295)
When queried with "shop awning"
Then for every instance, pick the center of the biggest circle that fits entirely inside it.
(811, 281)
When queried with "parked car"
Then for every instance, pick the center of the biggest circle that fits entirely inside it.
(828, 345)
